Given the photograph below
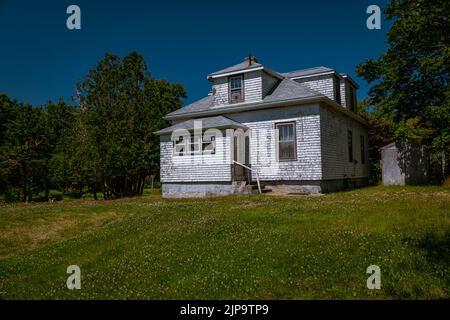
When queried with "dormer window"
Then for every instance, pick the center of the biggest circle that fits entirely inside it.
(337, 90)
(352, 98)
(236, 92)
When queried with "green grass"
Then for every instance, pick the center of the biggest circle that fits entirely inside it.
(246, 247)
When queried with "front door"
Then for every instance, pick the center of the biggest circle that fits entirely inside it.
(241, 154)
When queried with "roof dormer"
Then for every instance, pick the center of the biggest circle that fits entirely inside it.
(248, 81)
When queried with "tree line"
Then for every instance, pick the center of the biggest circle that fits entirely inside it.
(103, 144)
(409, 97)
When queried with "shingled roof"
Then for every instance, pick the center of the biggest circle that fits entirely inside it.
(307, 72)
(218, 122)
(248, 64)
(285, 90)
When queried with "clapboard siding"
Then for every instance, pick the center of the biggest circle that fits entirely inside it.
(322, 152)
(343, 87)
(335, 159)
(220, 89)
(263, 149)
(322, 84)
(252, 86)
(192, 168)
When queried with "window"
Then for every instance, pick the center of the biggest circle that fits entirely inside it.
(236, 93)
(179, 146)
(363, 150)
(286, 141)
(351, 97)
(209, 145)
(195, 145)
(350, 145)
(337, 90)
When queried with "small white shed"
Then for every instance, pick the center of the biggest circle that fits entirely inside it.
(404, 163)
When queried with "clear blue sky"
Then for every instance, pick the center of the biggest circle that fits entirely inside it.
(182, 41)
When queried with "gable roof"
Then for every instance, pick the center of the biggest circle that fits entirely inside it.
(217, 122)
(243, 66)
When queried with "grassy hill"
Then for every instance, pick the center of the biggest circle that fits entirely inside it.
(243, 247)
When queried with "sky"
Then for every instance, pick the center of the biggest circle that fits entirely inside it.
(181, 41)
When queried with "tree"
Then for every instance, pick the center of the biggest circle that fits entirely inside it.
(60, 121)
(380, 134)
(7, 109)
(25, 142)
(121, 106)
(107, 144)
(410, 81)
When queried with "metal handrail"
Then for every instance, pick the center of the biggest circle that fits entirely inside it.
(257, 176)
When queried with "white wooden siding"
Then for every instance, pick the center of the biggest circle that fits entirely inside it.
(193, 168)
(343, 88)
(263, 148)
(220, 87)
(322, 153)
(252, 86)
(322, 84)
(335, 159)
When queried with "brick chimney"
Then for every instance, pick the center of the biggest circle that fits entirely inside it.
(250, 59)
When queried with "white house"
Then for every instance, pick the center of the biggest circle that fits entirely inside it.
(298, 131)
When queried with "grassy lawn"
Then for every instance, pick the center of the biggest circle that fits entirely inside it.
(246, 247)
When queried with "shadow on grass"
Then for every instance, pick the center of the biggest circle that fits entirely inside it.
(437, 247)
(422, 275)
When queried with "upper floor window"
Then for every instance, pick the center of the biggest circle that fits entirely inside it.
(337, 90)
(351, 98)
(236, 92)
(287, 149)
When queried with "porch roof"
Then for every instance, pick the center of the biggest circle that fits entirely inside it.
(218, 122)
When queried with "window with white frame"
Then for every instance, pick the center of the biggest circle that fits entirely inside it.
(179, 146)
(287, 148)
(209, 144)
(236, 92)
(194, 145)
